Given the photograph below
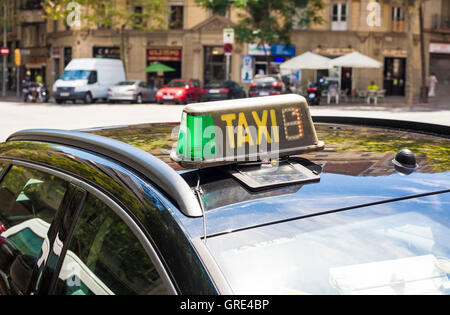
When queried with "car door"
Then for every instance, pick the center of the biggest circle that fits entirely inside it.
(32, 204)
(234, 89)
(95, 86)
(105, 256)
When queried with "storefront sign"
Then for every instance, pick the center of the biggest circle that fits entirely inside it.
(395, 53)
(164, 54)
(440, 48)
(258, 50)
(247, 69)
(228, 36)
(56, 52)
(37, 60)
(282, 50)
(333, 51)
(107, 52)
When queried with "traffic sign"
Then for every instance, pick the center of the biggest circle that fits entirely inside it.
(228, 36)
(228, 48)
(4, 51)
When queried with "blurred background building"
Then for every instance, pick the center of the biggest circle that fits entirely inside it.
(191, 43)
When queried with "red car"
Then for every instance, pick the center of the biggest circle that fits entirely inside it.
(180, 91)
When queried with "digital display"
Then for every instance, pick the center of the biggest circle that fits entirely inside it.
(293, 124)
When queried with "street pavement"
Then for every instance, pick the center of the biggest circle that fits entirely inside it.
(15, 116)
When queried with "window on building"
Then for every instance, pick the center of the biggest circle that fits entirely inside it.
(339, 17)
(105, 19)
(214, 64)
(445, 14)
(67, 55)
(30, 35)
(138, 17)
(176, 17)
(398, 19)
(31, 5)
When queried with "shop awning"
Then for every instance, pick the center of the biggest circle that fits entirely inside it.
(158, 67)
(308, 60)
(356, 60)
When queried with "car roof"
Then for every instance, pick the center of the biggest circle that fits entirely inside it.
(357, 170)
(356, 165)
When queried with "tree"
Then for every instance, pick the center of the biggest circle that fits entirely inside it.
(267, 21)
(145, 15)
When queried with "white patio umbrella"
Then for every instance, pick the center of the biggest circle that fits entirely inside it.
(356, 60)
(308, 60)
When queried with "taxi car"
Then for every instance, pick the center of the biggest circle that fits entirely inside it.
(242, 197)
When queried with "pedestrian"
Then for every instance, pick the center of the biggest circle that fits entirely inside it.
(333, 93)
(432, 81)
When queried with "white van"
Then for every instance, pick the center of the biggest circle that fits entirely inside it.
(88, 79)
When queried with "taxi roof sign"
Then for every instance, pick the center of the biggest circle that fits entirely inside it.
(245, 130)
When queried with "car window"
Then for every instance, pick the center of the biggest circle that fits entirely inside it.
(29, 201)
(177, 83)
(93, 77)
(105, 257)
(125, 83)
(196, 83)
(143, 85)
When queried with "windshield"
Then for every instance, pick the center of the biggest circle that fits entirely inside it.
(266, 80)
(393, 248)
(70, 75)
(216, 84)
(177, 84)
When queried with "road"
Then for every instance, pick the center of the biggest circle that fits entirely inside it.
(19, 116)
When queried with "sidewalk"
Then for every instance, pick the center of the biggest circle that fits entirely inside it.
(10, 97)
(395, 103)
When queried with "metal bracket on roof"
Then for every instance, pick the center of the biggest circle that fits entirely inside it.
(155, 170)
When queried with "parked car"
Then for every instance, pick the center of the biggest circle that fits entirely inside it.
(222, 90)
(265, 85)
(132, 91)
(88, 79)
(180, 91)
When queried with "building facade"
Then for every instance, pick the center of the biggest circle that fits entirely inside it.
(192, 44)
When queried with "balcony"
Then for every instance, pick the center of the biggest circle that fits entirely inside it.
(31, 11)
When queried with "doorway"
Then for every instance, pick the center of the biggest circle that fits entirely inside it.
(394, 76)
(346, 80)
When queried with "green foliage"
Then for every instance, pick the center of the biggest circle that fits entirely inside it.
(109, 14)
(267, 21)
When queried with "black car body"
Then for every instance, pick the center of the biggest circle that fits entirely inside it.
(222, 90)
(266, 85)
(107, 212)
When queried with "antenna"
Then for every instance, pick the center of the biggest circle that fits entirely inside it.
(199, 192)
